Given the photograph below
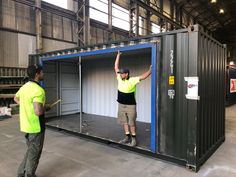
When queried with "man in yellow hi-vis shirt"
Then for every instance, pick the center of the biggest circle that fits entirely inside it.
(31, 98)
(126, 98)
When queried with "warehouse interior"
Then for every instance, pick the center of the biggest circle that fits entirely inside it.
(53, 30)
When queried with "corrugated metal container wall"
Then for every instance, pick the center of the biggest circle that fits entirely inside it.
(172, 103)
(190, 112)
(199, 122)
(100, 86)
(191, 128)
(211, 106)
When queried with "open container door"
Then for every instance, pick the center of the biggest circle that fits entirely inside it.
(61, 81)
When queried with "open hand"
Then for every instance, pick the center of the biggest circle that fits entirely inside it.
(118, 52)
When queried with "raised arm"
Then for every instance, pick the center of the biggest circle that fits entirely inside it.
(116, 65)
(146, 74)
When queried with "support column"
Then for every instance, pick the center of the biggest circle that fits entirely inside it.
(109, 20)
(131, 18)
(161, 21)
(172, 12)
(82, 15)
(80, 95)
(181, 15)
(177, 14)
(87, 24)
(137, 20)
(1, 13)
(148, 21)
(38, 26)
(188, 20)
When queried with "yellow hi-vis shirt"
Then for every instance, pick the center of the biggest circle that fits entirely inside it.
(126, 90)
(28, 94)
(127, 86)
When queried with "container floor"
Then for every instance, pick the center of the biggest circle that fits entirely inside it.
(101, 127)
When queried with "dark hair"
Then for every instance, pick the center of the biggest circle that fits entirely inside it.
(32, 70)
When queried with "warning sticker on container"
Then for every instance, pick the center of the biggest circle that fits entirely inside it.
(171, 80)
(171, 94)
(232, 85)
(192, 88)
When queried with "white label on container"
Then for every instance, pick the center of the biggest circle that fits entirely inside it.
(171, 93)
(192, 88)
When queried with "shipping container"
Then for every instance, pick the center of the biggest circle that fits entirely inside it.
(180, 108)
(230, 85)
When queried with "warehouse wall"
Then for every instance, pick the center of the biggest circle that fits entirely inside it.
(17, 32)
(231, 48)
(233, 51)
(99, 33)
(15, 48)
(186, 20)
(100, 86)
(26, 45)
(230, 40)
(8, 48)
(228, 36)
(50, 45)
(72, 5)
(17, 24)
(17, 16)
(20, 18)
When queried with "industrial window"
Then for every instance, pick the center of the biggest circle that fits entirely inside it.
(155, 28)
(141, 28)
(99, 10)
(61, 3)
(120, 17)
(163, 29)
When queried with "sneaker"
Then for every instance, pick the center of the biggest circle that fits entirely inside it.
(133, 142)
(125, 140)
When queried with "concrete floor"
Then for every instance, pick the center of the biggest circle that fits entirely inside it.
(69, 156)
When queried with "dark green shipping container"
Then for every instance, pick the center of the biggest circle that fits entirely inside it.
(189, 91)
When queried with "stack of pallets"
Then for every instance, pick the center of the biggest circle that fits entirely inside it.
(11, 79)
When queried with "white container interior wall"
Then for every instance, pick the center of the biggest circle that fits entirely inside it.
(69, 88)
(99, 83)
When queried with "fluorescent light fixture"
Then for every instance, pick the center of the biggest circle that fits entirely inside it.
(231, 63)
(213, 1)
(222, 11)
